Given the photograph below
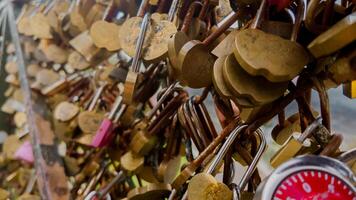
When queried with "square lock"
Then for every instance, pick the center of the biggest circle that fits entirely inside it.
(289, 149)
(349, 89)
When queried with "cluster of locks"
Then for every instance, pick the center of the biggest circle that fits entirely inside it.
(99, 102)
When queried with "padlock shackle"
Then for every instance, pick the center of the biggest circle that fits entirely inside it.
(96, 97)
(118, 178)
(252, 167)
(230, 21)
(290, 15)
(189, 16)
(167, 112)
(207, 119)
(301, 9)
(143, 7)
(164, 96)
(50, 6)
(88, 190)
(225, 147)
(140, 40)
(119, 113)
(172, 10)
(197, 123)
(109, 11)
(37, 6)
(310, 22)
(187, 124)
(300, 16)
(190, 124)
(115, 107)
(282, 118)
(258, 18)
(309, 130)
(324, 102)
(204, 9)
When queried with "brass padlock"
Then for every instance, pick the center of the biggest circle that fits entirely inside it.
(265, 54)
(144, 141)
(293, 145)
(349, 89)
(335, 38)
(132, 78)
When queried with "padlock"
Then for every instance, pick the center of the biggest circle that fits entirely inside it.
(104, 192)
(103, 134)
(143, 141)
(169, 167)
(190, 121)
(95, 13)
(282, 131)
(235, 77)
(200, 75)
(65, 111)
(40, 26)
(194, 25)
(62, 84)
(105, 35)
(150, 191)
(342, 70)
(335, 38)
(286, 18)
(194, 192)
(253, 47)
(204, 186)
(133, 76)
(53, 52)
(333, 146)
(177, 40)
(297, 177)
(187, 172)
(44, 78)
(294, 144)
(89, 119)
(159, 32)
(131, 162)
(208, 181)
(239, 189)
(349, 89)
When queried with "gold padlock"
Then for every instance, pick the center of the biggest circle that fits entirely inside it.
(293, 145)
(289, 149)
(349, 89)
(142, 143)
